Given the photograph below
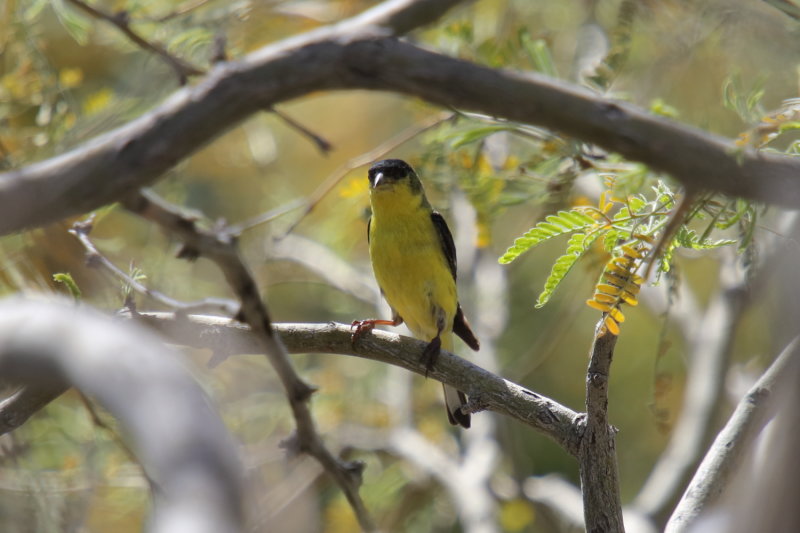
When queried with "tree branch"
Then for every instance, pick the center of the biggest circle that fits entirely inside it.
(16, 409)
(220, 247)
(710, 345)
(602, 507)
(493, 392)
(710, 336)
(81, 231)
(727, 452)
(180, 441)
(322, 144)
(362, 54)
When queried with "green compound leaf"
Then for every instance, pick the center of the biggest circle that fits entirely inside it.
(576, 247)
(552, 226)
(688, 238)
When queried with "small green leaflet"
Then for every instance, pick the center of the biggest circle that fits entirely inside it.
(552, 226)
(477, 134)
(69, 283)
(576, 247)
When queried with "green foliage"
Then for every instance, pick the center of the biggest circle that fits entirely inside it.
(77, 25)
(135, 274)
(745, 102)
(552, 226)
(688, 238)
(576, 247)
(538, 53)
(69, 283)
(630, 228)
(660, 107)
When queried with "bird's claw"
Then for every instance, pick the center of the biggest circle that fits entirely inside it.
(359, 328)
(430, 354)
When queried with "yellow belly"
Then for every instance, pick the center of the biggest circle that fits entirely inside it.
(412, 271)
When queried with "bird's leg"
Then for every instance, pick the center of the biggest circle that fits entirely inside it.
(431, 352)
(360, 327)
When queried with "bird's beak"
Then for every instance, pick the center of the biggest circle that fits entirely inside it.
(378, 179)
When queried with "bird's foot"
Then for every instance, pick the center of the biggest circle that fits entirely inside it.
(430, 354)
(360, 327)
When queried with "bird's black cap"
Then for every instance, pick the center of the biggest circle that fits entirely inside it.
(392, 169)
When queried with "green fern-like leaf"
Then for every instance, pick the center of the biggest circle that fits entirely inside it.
(637, 203)
(553, 226)
(463, 138)
(688, 238)
(577, 246)
(611, 239)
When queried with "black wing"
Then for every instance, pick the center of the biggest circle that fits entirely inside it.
(446, 240)
(369, 223)
(460, 324)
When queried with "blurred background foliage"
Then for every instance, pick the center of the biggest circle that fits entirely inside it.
(65, 78)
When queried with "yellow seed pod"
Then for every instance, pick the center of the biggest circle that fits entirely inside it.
(598, 305)
(612, 326)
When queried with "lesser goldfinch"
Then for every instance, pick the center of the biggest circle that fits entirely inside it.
(414, 260)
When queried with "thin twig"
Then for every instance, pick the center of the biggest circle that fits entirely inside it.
(220, 247)
(267, 216)
(329, 266)
(787, 7)
(121, 20)
(709, 335)
(82, 229)
(726, 454)
(320, 142)
(179, 11)
(710, 339)
(363, 159)
(99, 422)
(677, 218)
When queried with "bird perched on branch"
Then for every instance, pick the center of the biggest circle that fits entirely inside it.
(414, 260)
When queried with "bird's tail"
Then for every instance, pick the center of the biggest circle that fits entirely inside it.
(454, 399)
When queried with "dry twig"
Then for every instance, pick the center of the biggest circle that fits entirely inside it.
(121, 20)
(220, 247)
(319, 141)
(728, 450)
(82, 229)
(364, 159)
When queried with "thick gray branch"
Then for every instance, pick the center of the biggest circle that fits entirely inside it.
(175, 433)
(363, 53)
(484, 388)
(123, 160)
(496, 394)
(226, 337)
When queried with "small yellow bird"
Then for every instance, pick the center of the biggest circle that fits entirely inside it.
(414, 260)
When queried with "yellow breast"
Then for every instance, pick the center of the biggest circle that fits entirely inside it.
(409, 263)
